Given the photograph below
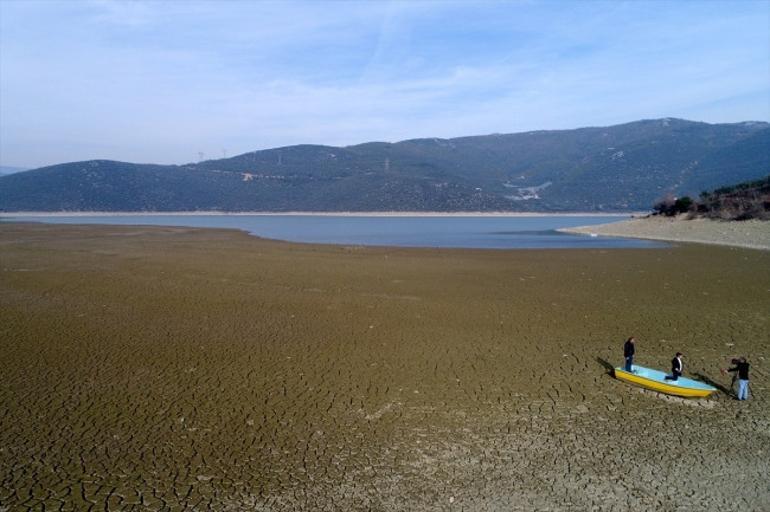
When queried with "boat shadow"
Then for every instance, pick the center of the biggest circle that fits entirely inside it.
(710, 382)
(607, 366)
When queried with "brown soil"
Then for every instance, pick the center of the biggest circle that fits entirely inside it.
(172, 368)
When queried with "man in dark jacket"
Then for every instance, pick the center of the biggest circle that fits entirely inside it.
(676, 367)
(628, 353)
(742, 367)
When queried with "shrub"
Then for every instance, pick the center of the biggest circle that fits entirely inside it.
(683, 205)
(670, 205)
(743, 201)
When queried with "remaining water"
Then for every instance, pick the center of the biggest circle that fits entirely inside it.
(455, 231)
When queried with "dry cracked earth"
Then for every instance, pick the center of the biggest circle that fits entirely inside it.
(184, 369)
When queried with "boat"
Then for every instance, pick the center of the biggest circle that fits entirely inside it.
(656, 381)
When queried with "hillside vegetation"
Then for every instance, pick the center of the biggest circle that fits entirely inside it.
(617, 168)
(749, 200)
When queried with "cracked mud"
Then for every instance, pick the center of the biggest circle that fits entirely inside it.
(183, 369)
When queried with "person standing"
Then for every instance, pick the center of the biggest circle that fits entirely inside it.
(742, 368)
(628, 353)
(676, 367)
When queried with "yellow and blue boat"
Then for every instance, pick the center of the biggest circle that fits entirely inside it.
(656, 381)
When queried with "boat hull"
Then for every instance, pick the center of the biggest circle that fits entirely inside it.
(654, 380)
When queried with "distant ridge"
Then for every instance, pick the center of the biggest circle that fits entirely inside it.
(6, 169)
(617, 168)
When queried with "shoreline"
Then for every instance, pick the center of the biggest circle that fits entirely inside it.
(313, 214)
(750, 234)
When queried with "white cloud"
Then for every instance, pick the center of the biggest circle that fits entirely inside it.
(147, 81)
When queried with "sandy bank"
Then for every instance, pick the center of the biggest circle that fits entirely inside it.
(753, 234)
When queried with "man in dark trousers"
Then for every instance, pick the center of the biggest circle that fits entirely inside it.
(676, 367)
(742, 367)
(628, 353)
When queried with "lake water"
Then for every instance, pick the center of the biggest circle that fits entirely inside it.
(493, 232)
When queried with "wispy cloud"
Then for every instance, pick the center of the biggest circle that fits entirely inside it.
(160, 81)
(122, 13)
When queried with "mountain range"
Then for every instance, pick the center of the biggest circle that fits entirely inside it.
(617, 168)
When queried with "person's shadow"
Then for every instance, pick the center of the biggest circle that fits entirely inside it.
(710, 382)
(607, 366)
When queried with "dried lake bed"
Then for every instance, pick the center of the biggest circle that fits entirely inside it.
(150, 368)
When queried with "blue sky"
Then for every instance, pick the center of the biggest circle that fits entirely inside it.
(163, 81)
